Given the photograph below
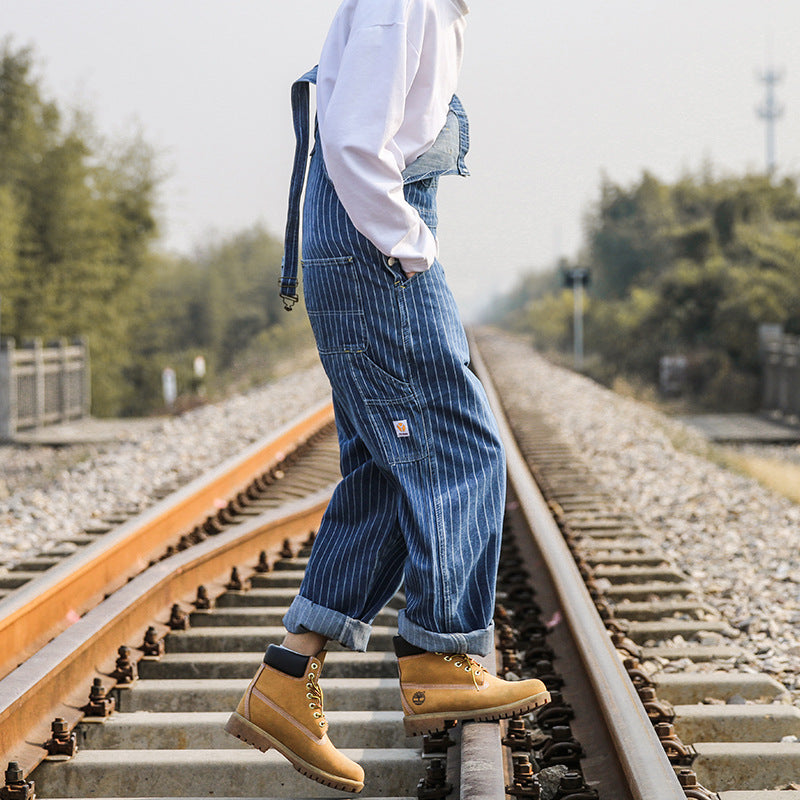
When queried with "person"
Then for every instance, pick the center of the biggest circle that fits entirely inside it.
(421, 498)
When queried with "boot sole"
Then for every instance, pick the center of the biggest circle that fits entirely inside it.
(420, 724)
(251, 734)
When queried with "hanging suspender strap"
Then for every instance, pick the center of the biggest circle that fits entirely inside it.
(291, 252)
(445, 157)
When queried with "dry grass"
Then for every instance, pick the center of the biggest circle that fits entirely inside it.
(780, 476)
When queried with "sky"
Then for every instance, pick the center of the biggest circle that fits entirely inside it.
(559, 94)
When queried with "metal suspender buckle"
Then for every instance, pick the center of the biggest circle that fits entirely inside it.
(288, 292)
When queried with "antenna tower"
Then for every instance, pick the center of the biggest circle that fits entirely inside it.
(770, 111)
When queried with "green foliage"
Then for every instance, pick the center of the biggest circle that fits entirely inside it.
(514, 305)
(628, 235)
(76, 223)
(550, 317)
(223, 304)
(691, 268)
(77, 228)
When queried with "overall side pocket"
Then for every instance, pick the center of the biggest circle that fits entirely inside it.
(334, 305)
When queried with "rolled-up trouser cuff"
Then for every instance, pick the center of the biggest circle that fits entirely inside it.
(304, 616)
(479, 642)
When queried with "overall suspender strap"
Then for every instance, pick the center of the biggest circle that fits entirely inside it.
(291, 252)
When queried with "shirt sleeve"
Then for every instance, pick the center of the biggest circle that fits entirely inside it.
(363, 114)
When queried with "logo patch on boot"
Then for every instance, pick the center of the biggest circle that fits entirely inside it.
(418, 699)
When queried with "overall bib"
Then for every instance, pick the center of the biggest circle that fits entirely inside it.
(422, 494)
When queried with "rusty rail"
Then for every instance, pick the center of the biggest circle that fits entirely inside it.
(45, 607)
(53, 683)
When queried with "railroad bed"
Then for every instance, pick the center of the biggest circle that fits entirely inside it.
(610, 732)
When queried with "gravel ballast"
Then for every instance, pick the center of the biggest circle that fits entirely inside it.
(738, 542)
(45, 496)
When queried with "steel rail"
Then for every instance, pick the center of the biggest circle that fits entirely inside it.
(44, 607)
(649, 774)
(54, 682)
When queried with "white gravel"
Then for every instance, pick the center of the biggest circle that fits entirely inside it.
(739, 542)
(47, 494)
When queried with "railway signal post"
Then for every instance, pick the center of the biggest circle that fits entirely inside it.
(576, 278)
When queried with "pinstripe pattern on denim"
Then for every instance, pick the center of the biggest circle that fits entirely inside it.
(423, 488)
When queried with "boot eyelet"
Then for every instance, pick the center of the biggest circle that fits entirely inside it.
(448, 658)
(310, 696)
(322, 724)
(314, 665)
(458, 663)
(317, 715)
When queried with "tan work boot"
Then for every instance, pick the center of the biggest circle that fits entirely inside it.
(438, 688)
(285, 713)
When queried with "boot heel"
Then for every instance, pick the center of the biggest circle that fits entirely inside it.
(239, 727)
(419, 726)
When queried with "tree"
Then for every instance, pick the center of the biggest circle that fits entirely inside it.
(76, 224)
(693, 268)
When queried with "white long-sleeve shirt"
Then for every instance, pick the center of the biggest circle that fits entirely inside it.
(386, 75)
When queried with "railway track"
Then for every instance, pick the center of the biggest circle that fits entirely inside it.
(160, 662)
(734, 728)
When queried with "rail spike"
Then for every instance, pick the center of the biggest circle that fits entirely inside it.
(657, 710)
(202, 602)
(562, 748)
(691, 788)
(178, 619)
(100, 704)
(436, 743)
(434, 785)
(62, 742)
(235, 584)
(678, 753)
(572, 787)
(286, 550)
(263, 563)
(637, 675)
(518, 737)
(556, 712)
(125, 671)
(525, 786)
(16, 787)
(153, 646)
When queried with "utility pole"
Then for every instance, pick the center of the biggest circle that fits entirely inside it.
(770, 111)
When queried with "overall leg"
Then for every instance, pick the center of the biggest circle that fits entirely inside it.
(458, 544)
(465, 482)
(423, 465)
(356, 564)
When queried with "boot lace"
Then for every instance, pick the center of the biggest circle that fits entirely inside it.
(468, 664)
(314, 694)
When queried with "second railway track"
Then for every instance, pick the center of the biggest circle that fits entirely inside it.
(603, 736)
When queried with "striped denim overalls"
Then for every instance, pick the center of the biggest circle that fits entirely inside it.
(422, 493)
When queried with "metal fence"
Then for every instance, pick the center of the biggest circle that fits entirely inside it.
(781, 378)
(41, 385)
